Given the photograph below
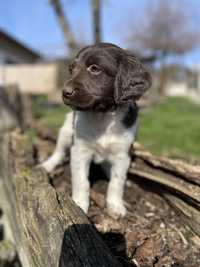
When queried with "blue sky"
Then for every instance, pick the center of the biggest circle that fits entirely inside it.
(34, 23)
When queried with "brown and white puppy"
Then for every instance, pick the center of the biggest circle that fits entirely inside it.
(105, 82)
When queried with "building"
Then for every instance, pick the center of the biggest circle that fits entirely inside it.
(13, 51)
(184, 82)
(25, 68)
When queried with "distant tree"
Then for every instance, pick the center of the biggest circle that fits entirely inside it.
(96, 9)
(64, 25)
(165, 29)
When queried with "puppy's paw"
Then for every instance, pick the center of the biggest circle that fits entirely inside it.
(47, 165)
(116, 209)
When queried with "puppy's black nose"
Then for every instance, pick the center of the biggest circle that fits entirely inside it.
(68, 91)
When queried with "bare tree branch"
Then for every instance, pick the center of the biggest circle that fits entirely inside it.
(96, 7)
(64, 25)
(166, 28)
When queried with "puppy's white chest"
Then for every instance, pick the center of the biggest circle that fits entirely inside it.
(104, 147)
(103, 135)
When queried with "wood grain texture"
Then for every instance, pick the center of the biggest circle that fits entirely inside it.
(177, 181)
(48, 228)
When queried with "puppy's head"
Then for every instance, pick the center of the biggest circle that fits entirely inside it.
(104, 76)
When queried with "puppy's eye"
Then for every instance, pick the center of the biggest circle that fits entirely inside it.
(94, 69)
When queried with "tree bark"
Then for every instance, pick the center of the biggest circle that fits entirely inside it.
(64, 25)
(13, 112)
(178, 182)
(178, 167)
(96, 7)
(163, 75)
(48, 228)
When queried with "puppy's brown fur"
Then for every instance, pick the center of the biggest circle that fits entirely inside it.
(104, 76)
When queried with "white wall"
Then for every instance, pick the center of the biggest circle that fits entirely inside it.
(176, 89)
(182, 89)
(31, 78)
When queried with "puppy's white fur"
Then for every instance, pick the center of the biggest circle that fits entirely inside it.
(101, 137)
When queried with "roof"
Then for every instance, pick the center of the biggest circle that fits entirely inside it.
(18, 44)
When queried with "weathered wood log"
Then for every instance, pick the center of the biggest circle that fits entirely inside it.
(187, 171)
(179, 186)
(178, 182)
(189, 214)
(48, 228)
(15, 108)
(8, 116)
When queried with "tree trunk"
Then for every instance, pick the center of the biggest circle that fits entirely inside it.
(163, 75)
(65, 27)
(96, 7)
(47, 226)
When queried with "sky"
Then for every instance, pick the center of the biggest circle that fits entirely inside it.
(33, 22)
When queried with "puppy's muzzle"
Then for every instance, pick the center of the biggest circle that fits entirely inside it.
(68, 92)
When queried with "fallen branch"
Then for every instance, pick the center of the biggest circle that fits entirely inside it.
(188, 191)
(178, 167)
(188, 213)
(179, 183)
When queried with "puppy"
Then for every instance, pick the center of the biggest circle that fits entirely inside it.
(105, 82)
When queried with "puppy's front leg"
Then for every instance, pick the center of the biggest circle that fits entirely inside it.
(64, 141)
(81, 157)
(119, 168)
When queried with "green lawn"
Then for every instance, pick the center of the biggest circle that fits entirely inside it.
(171, 128)
(52, 115)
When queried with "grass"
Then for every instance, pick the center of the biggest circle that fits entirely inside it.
(51, 115)
(171, 128)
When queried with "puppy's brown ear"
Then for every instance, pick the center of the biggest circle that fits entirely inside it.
(132, 80)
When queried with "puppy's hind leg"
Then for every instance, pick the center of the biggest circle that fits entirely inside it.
(64, 141)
